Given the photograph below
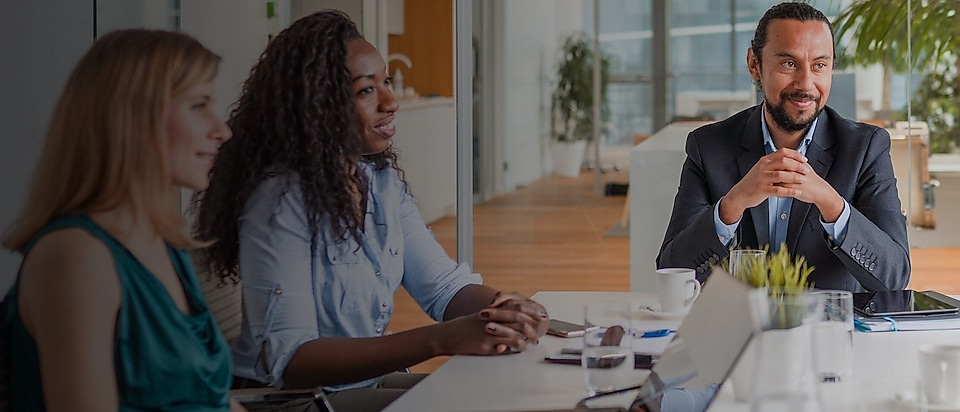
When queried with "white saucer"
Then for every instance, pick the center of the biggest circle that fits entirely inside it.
(910, 401)
(657, 313)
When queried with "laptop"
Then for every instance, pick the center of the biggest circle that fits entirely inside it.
(705, 349)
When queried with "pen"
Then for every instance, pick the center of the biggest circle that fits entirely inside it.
(659, 333)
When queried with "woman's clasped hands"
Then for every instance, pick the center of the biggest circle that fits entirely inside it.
(507, 325)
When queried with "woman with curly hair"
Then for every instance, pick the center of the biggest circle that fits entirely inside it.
(308, 207)
(106, 312)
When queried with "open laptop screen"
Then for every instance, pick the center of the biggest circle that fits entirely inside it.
(706, 347)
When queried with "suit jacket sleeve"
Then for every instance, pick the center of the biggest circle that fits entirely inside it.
(691, 239)
(875, 249)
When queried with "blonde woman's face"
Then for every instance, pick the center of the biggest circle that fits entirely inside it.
(196, 133)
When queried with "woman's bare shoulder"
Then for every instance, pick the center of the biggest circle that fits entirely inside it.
(69, 267)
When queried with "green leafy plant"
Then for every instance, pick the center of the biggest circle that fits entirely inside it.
(571, 109)
(879, 32)
(785, 278)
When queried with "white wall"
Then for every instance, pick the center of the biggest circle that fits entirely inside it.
(427, 141)
(237, 31)
(122, 14)
(41, 42)
(525, 56)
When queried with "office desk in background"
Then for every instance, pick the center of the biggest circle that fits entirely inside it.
(885, 364)
(655, 166)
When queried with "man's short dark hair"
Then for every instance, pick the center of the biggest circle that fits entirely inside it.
(789, 11)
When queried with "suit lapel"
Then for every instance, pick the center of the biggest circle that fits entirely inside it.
(820, 159)
(751, 144)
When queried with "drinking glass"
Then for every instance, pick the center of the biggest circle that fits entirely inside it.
(607, 358)
(742, 262)
(833, 337)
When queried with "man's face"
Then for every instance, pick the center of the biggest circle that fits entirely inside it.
(795, 71)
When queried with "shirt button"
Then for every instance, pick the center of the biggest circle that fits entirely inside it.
(783, 216)
(384, 304)
(379, 330)
(278, 291)
(723, 239)
(378, 273)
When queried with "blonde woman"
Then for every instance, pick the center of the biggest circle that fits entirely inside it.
(106, 313)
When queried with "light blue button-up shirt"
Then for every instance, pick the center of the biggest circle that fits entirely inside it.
(295, 290)
(778, 209)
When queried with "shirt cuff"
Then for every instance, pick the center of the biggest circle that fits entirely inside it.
(725, 232)
(837, 231)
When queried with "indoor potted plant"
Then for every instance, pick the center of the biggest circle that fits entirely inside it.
(571, 109)
(785, 335)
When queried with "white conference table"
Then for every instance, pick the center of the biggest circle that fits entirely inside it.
(885, 365)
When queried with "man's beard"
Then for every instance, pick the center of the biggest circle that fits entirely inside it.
(783, 120)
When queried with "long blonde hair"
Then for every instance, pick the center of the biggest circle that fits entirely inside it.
(107, 141)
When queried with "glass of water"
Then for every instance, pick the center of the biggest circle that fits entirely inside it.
(833, 337)
(608, 349)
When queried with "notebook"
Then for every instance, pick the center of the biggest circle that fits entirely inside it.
(940, 321)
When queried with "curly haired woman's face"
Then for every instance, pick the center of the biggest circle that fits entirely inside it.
(195, 134)
(372, 99)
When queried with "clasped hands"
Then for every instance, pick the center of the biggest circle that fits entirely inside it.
(506, 325)
(786, 174)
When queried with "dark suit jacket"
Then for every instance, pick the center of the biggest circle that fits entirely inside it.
(853, 157)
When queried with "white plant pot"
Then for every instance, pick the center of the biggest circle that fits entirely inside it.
(568, 157)
(779, 374)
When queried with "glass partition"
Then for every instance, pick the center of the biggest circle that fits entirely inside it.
(512, 64)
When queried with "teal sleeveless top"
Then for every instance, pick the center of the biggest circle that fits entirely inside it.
(163, 358)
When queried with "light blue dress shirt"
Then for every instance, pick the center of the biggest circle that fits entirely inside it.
(778, 209)
(295, 290)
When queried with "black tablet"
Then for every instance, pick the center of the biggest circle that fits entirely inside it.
(900, 302)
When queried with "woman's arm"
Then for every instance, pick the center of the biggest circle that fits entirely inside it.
(330, 361)
(69, 298)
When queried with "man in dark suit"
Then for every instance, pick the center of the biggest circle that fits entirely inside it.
(792, 171)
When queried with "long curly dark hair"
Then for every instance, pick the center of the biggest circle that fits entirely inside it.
(295, 117)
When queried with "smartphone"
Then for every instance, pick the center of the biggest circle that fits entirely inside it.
(640, 361)
(567, 329)
(899, 303)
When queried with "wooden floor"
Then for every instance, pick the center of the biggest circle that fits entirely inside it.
(550, 236)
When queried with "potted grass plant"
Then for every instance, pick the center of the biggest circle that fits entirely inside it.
(783, 276)
(777, 363)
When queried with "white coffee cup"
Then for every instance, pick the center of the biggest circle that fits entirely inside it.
(678, 288)
(940, 374)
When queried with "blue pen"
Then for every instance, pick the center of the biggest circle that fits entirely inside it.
(659, 333)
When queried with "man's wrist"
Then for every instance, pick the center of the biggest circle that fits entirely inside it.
(831, 212)
(727, 213)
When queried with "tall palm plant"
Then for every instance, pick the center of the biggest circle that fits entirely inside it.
(879, 30)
